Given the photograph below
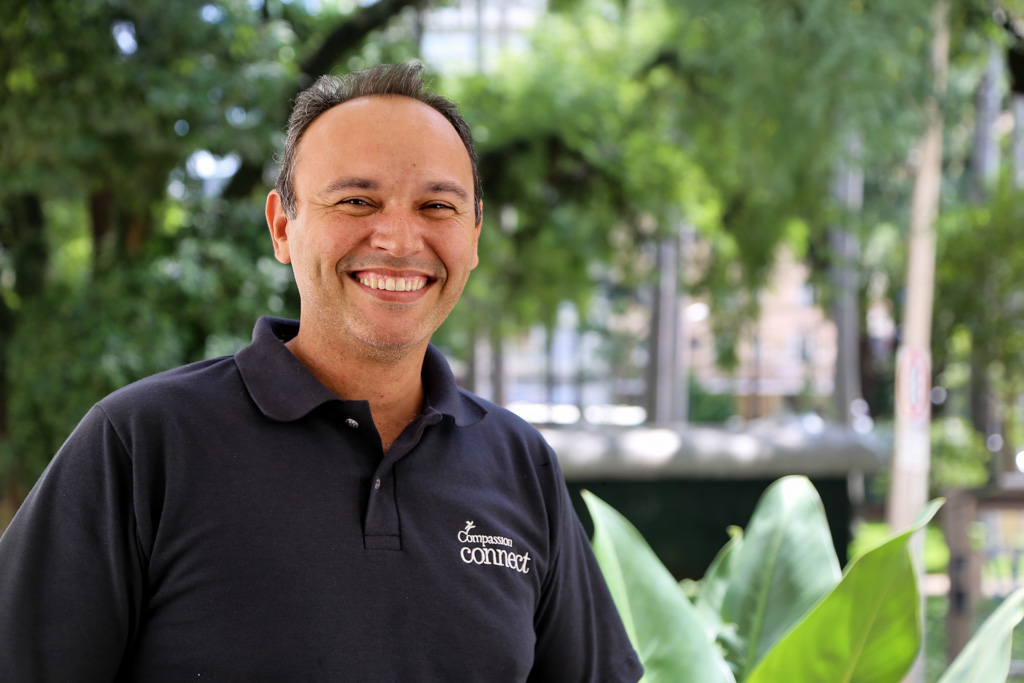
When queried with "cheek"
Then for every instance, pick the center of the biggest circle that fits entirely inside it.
(307, 265)
(460, 252)
(315, 255)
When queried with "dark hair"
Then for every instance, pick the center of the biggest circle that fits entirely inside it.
(404, 80)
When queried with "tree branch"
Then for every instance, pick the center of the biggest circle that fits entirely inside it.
(354, 30)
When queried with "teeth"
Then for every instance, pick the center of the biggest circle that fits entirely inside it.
(393, 284)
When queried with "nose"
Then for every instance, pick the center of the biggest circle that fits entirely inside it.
(397, 232)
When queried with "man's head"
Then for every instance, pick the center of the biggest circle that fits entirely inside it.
(403, 80)
(384, 225)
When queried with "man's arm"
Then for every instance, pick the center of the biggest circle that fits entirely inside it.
(580, 636)
(70, 568)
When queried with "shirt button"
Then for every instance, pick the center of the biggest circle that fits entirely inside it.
(376, 483)
(351, 423)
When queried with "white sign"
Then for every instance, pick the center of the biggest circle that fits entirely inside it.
(913, 383)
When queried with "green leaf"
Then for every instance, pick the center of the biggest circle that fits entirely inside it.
(661, 622)
(987, 656)
(715, 583)
(716, 579)
(788, 563)
(866, 630)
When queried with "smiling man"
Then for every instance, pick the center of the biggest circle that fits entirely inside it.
(326, 504)
(380, 224)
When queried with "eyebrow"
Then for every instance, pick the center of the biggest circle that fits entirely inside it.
(342, 184)
(448, 188)
(356, 183)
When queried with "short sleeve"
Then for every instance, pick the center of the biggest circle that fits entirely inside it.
(70, 570)
(580, 636)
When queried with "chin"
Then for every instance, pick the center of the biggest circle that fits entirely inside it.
(389, 351)
(399, 342)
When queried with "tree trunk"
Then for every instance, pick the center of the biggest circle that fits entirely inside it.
(1018, 141)
(470, 379)
(908, 490)
(478, 35)
(23, 235)
(848, 190)
(580, 376)
(497, 365)
(977, 390)
(550, 381)
(985, 155)
(985, 171)
(101, 214)
(661, 362)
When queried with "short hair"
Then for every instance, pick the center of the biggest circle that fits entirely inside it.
(405, 80)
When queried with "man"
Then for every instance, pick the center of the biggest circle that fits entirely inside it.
(326, 504)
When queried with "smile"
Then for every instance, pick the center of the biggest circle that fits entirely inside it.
(393, 284)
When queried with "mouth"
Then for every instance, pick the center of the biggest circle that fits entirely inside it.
(391, 282)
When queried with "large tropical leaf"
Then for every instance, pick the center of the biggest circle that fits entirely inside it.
(986, 658)
(716, 579)
(713, 587)
(866, 630)
(787, 564)
(662, 623)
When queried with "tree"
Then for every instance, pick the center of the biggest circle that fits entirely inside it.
(117, 256)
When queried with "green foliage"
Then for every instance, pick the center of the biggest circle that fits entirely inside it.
(83, 111)
(661, 622)
(577, 164)
(960, 458)
(787, 564)
(768, 93)
(979, 316)
(704, 406)
(980, 240)
(621, 121)
(861, 626)
(77, 343)
(625, 119)
(119, 256)
(868, 628)
(867, 535)
(987, 656)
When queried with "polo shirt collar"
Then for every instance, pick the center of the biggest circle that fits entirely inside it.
(285, 390)
(444, 396)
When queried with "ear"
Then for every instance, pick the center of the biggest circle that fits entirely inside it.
(277, 221)
(476, 237)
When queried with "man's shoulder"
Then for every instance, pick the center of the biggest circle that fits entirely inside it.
(497, 417)
(510, 439)
(194, 384)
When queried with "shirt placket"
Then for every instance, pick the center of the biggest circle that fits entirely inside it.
(382, 527)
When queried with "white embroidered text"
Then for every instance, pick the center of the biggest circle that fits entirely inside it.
(482, 554)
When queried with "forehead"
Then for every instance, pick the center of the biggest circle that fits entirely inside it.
(382, 132)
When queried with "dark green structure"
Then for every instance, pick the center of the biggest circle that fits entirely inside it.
(683, 486)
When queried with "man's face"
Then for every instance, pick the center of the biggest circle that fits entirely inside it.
(384, 236)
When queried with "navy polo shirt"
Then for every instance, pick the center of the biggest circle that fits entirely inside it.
(234, 520)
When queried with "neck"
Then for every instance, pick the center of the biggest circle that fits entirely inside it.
(392, 385)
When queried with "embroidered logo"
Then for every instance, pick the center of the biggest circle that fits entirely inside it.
(476, 550)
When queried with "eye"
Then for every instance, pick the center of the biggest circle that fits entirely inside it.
(356, 206)
(438, 206)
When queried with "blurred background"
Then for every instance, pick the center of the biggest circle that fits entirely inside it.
(694, 259)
